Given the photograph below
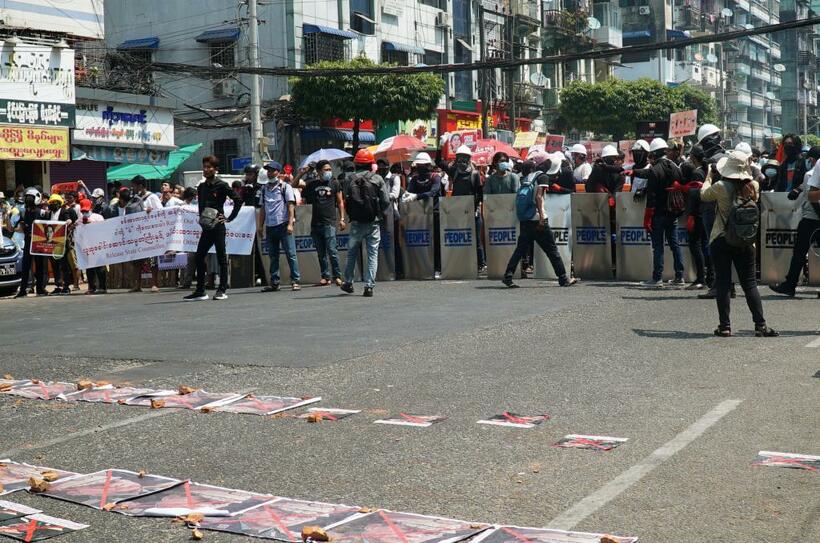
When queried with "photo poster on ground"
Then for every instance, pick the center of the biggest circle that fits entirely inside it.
(48, 238)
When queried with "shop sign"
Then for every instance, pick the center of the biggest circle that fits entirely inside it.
(36, 73)
(34, 143)
(36, 113)
(123, 124)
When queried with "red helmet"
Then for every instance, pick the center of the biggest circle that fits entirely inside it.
(363, 156)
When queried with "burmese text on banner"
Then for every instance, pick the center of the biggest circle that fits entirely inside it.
(34, 143)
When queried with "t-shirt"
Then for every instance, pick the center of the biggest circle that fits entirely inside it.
(173, 201)
(151, 201)
(581, 173)
(274, 203)
(809, 210)
(322, 196)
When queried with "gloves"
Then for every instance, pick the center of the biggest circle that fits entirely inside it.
(675, 187)
(555, 187)
(690, 224)
(647, 219)
(794, 194)
(694, 185)
(628, 173)
(611, 201)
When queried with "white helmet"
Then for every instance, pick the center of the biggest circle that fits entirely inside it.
(555, 163)
(36, 193)
(706, 131)
(578, 149)
(658, 144)
(609, 150)
(640, 145)
(463, 150)
(422, 158)
(744, 147)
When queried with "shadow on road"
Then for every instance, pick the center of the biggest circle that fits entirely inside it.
(679, 334)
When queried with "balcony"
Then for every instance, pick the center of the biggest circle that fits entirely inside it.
(688, 18)
(777, 80)
(758, 100)
(609, 34)
(807, 58)
(760, 11)
(742, 4)
(775, 50)
(740, 68)
(527, 10)
(529, 95)
(740, 98)
(744, 129)
(777, 107)
(763, 74)
(569, 23)
(810, 96)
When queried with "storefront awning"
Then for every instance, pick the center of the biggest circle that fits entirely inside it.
(151, 42)
(175, 159)
(329, 30)
(406, 48)
(230, 33)
(337, 134)
(637, 34)
(674, 34)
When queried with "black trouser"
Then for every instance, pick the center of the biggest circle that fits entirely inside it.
(724, 256)
(806, 230)
(397, 246)
(436, 241)
(208, 239)
(62, 271)
(97, 278)
(699, 249)
(39, 273)
(545, 239)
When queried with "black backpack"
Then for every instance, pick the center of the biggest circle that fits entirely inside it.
(363, 199)
(675, 201)
(743, 222)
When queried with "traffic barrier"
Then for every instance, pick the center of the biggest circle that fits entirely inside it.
(814, 263)
(457, 238)
(501, 227)
(591, 251)
(417, 239)
(387, 249)
(633, 244)
(778, 232)
(558, 213)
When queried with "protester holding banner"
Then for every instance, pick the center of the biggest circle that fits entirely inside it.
(31, 212)
(97, 276)
(62, 269)
(734, 187)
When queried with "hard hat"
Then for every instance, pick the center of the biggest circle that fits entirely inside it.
(609, 150)
(464, 150)
(658, 144)
(98, 193)
(2, 196)
(578, 149)
(640, 145)
(363, 156)
(744, 147)
(421, 158)
(706, 131)
(56, 198)
(36, 193)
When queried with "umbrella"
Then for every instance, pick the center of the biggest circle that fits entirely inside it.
(399, 148)
(325, 154)
(486, 148)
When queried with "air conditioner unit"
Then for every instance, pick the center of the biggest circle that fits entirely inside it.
(225, 88)
(643, 10)
(442, 18)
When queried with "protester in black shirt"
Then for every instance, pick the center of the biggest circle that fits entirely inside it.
(211, 194)
(31, 212)
(466, 181)
(324, 193)
(694, 174)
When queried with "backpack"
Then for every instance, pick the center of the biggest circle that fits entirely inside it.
(743, 222)
(362, 203)
(675, 201)
(525, 199)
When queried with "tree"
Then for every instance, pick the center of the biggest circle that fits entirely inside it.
(383, 98)
(614, 106)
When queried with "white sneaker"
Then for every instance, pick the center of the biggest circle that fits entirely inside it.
(195, 297)
(220, 295)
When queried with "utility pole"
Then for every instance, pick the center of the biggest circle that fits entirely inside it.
(483, 74)
(256, 91)
(510, 32)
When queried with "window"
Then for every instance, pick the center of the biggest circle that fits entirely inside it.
(222, 53)
(440, 4)
(464, 79)
(362, 16)
(320, 47)
(431, 58)
(461, 18)
(391, 56)
(225, 151)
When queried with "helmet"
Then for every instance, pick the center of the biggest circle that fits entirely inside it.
(36, 193)
(538, 156)
(609, 150)
(85, 205)
(658, 144)
(555, 162)
(421, 158)
(707, 130)
(578, 149)
(744, 147)
(251, 168)
(363, 156)
(464, 150)
(640, 145)
(56, 198)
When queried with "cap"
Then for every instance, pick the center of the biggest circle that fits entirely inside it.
(56, 198)
(97, 193)
(85, 205)
(273, 165)
(124, 189)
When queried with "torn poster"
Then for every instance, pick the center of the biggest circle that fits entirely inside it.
(265, 405)
(597, 443)
(404, 419)
(103, 489)
(15, 476)
(8, 384)
(43, 391)
(515, 421)
(11, 510)
(389, 527)
(282, 519)
(516, 534)
(329, 413)
(38, 528)
(788, 460)
(107, 394)
(187, 498)
(197, 400)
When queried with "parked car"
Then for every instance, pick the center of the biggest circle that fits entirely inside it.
(11, 265)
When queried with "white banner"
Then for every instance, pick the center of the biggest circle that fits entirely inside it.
(140, 235)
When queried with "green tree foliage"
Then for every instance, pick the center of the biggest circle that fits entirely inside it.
(614, 106)
(382, 98)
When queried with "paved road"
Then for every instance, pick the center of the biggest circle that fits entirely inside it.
(601, 359)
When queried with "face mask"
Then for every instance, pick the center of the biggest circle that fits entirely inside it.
(503, 166)
(54, 207)
(792, 150)
(327, 176)
(462, 163)
(86, 214)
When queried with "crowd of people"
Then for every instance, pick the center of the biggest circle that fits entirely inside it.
(709, 189)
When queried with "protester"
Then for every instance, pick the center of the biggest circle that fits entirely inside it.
(793, 167)
(149, 202)
(769, 169)
(324, 193)
(808, 229)
(187, 275)
(466, 181)
(31, 212)
(606, 176)
(278, 201)
(97, 277)
(709, 138)
(501, 179)
(558, 178)
(694, 173)
(582, 168)
(640, 157)
(730, 185)
(675, 152)
(660, 217)
(98, 202)
(211, 196)
(395, 182)
(62, 269)
(168, 198)
(426, 184)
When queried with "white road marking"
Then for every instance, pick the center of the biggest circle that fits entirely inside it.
(813, 344)
(592, 503)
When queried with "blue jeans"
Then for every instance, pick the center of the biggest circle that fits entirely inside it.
(665, 226)
(324, 239)
(278, 237)
(370, 233)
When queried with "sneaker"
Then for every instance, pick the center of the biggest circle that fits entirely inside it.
(482, 269)
(652, 283)
(195, 297)
(509, 282)
(765, 331)
(569, 282)
(710, 294)
(437, 275)
(21, 294)
(783, 288)
(41, 293)
(56, 292)
(347, 287)
(295, 286)
(723, 331)
(677, 281)
(368, 292)
(155, 289)
(272, 288)
(220, 295)
(695, 286)
(65, 292)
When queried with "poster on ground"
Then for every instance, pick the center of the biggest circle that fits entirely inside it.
(14, 476)
(517, 534)
(788, 460)
(48, 238)
(514, 420)
(103, 489)
(11, 510)
(389, 527)
(109, 394)
(595, 443)
(43, 391)
(187, 498)
(196, 400)
(38, 528)
(265, 405)
(282, 519)
(419, 421)
(329, 413)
